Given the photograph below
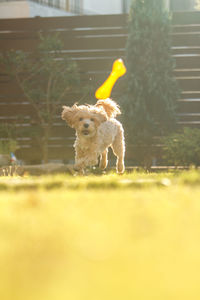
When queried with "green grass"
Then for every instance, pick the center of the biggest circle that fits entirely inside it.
(135, 236)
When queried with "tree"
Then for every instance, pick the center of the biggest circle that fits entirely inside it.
(45, 77)
(150, 106)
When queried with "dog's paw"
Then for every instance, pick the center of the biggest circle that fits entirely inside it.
(120, 168)
(79, 169)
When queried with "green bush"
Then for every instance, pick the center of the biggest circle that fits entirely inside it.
(182, 148)
(8, 141)
(8, 146)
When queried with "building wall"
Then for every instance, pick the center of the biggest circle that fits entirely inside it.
(46, 11)
(111, 6)
(26, 9)
(14, 9)
(102, 6)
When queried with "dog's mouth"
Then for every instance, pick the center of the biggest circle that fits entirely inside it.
(85, 132)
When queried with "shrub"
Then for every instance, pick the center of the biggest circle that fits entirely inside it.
(182, 148)
(7, 146)
(8, 141)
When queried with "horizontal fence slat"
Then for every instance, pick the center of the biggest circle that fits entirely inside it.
(190, 95)
(185, 50)
(52, 23)
(185, 18)
(188, 106)
(63, 153)
(187, 61)
(186, 39)
(189, 117)
(16, 109)
(80, 43)
(186, 28)
(69, 99)
(27, 142)
(68, 33)
(189, 84)
(187, 73)
(181, 125)
(101, 64)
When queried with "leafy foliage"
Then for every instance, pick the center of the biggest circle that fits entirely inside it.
(152, 91)
(8, 141)
(45, 77)
(183, 148)
(8, 146)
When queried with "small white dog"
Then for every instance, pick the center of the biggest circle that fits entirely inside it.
(96, 131)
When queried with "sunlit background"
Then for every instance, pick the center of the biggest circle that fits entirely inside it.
(46, 8)
(107, 237)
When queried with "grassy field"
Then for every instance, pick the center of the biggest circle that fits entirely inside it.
(109, 237)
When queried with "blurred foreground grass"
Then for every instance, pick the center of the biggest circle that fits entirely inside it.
(112, 237)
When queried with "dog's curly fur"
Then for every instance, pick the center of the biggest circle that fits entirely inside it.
(96, 131)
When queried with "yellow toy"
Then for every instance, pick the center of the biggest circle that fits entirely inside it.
(118, 70)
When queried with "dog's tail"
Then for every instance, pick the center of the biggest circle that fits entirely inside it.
(111, 108)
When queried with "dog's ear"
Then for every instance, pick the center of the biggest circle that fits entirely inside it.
(101, 117)
(68, 114)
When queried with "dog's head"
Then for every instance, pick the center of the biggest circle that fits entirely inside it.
(85, 119)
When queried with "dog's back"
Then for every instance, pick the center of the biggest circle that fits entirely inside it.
(111, 108)
(107, 132)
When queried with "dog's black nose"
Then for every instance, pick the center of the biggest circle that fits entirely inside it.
(86, 125)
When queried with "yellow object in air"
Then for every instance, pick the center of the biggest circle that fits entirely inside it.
(118, 70)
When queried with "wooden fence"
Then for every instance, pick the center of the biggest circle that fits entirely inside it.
(94, 42)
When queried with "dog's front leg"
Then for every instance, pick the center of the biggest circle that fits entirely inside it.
(91, 160)
(80, 165)
(104, 159)
(87, 161)
(79, 160)
(84, 159)
(80, 168)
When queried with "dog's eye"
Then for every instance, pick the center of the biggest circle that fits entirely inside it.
(81, 119)
(92, 119)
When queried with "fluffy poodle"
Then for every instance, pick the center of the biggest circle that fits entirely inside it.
(96, 131)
